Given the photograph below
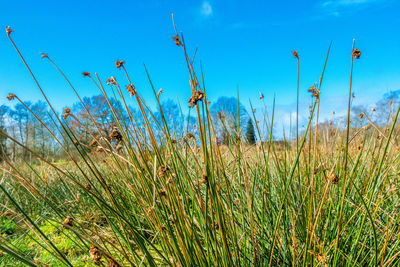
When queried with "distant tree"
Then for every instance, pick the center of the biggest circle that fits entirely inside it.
(227, 112)
(387, 105)
(250, 135)
(170, 110)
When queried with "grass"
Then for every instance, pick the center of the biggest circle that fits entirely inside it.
(328, 197)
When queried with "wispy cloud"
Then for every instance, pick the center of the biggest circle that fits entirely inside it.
(337, 7)
(206, 9)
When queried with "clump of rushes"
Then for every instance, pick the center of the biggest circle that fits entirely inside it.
(149, 200)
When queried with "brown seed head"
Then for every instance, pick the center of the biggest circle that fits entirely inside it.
(95, 254)
(88, 187)
(131, 89)
(159, 92)
(190, 135)
(177, 40)
(333, 178)
(9, 30)
(196, 96)
(86, 74)
(314, 91)
(44, 55)
(10, 97)
(116, 135)
(67, 112)
(162, 193)
(261, 96)
(111, 80)
(204, 179)
(356, 53)
(162, 171)
(119, 63)
(295, 54)
(68, 222)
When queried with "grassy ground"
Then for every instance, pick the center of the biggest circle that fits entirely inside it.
(329, 197)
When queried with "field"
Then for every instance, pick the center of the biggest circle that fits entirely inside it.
(138, 191)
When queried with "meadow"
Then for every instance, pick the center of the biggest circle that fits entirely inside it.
(137, 191)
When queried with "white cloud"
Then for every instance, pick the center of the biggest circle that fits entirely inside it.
(206, 9)
(337, 7)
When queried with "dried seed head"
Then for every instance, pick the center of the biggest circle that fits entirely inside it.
(220, 115)
(111, 81)
(177, 40)
(333, 178)
(68, 222)
(44, 55)
(93, 142)
(295, 54)
(361, 115)
(119, 63)
(373, 109)
(10, 97)
(162, 171)
(86, 74)
(95, 254)
(162, 193)
(150, 211)
(67, 112)
(88, 187)
(9, 30)
(116, 135)
(159, 92)
(356, 53)
(261, 96)
(203, 179)
(190, 135)
(173, 141)
(131, 89)
(196, 96)
(315, 92)
(367, 127)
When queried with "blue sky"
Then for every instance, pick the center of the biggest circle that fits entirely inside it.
(245, 42)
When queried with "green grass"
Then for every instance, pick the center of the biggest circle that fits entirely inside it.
(329, 198)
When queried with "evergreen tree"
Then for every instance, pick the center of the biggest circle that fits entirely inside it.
(250, 135)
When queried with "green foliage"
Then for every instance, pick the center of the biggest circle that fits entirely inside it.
(250, 134)
(7, 226)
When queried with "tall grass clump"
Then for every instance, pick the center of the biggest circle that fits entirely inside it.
(141, 194)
